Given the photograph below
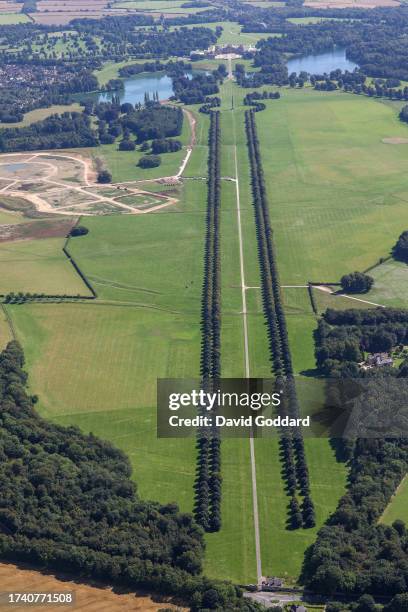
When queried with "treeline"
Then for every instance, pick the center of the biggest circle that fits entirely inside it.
(354, 553)
(209, 104)
(207, 509)
(68, 504)
(295, 468)
(55, 132)
(154, 122)
(170, 68)
(253, 99)
(355, 82)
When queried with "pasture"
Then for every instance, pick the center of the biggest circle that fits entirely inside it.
(13, 18)
(96, 366)
(336, 190)
(390, 284)
(38, 266)
(42, 113)
(397, 508)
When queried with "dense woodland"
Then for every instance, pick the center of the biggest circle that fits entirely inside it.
(196, 90)
(68, 504)
(71, 130)
(354, 553)
(342, 336)
(55, 132)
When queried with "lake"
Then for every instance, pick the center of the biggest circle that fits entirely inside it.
(134, 88)
(323, 62)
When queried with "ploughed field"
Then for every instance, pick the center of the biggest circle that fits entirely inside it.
(337, 196)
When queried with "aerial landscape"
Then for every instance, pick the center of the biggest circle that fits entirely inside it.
(207, 193)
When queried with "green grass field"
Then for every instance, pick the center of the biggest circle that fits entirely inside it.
(398, 506)
(390, 284)
(38, 266)
(13, 18)
(337, 192)
(42, 113)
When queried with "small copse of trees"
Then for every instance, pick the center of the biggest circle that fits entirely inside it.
(356, 282)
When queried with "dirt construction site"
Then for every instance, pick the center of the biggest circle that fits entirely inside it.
(66, 184)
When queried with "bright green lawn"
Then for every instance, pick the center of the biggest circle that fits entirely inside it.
(283, 549)
(42, 113)
(153, 260)
(337, 197)
(96, 367)
(398, 506)
(337, 192)
(38, 266)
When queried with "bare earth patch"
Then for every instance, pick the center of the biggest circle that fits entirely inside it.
(44, 228)
(87, 597)
(395, 140)
(45, 183)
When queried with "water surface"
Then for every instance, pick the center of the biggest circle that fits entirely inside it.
(322, 62)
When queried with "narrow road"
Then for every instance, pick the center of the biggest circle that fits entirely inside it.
(247, 368)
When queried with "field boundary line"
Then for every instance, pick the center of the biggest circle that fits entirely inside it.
(83, 276)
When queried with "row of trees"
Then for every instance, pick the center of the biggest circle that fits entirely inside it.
(292, 447)
(355, 82)
(208, 477)
(253, 99)
(171, 68)
(209, 104)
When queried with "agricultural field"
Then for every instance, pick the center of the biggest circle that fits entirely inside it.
(13, 18)
(330, 191)
(38, 266)
(42, 113)
(390, 284)
(13, 577)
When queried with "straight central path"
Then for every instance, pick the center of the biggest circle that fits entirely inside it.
(246, 358)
